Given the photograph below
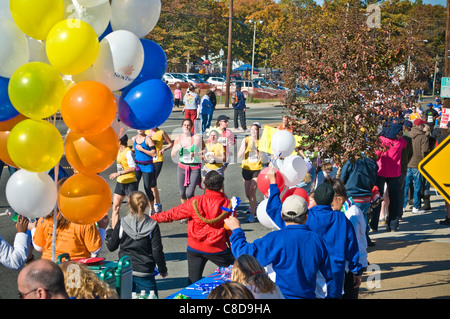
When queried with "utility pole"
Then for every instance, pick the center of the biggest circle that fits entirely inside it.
(229, 61)
(446, 101)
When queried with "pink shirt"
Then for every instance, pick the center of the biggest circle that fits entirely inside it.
(177, 93)
(389, 161)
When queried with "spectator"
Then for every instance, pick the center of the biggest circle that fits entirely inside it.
(41, 279)
(230, 290)
(177, 95)
(14, 257)
(389, 171)
(296, 253)
(82, 283)
(238, 103)
(139, 237)
(207, 238)
(248, 271)
(420, 146)
(359, 176)
(407, 153)
(77, 240)
(206, 109)
(342, 202)
(340, 239)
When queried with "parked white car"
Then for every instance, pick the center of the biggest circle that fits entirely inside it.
(218, 81)
(171, 79)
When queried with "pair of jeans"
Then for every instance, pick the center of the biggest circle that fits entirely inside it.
(206, 121)
(147, 283)
(414, 176)
(395, 202)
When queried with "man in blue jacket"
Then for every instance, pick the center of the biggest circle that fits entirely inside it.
(238, 102)
(295, 253)
(333, 226)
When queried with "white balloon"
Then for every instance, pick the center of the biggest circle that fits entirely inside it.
(120, 59)
(14, 49)
(5, 12)
(37, 51)
(283, 142)
(31, 194)
(137, 16)
(96, 13)
(294, 169)
(262, 216)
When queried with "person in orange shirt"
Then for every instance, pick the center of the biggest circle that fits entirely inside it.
(285, 125)
(79, 241)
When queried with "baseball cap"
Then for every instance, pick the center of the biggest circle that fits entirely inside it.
(294, 206)
(407, 124)
(418, 122)
(257, 124)
(430, 104)
(222, 118)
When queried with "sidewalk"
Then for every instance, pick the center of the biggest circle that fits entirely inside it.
(413, 262)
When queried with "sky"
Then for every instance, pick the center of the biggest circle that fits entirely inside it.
(433, 2)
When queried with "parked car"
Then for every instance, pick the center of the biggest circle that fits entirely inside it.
(218, 81)
(171, 79)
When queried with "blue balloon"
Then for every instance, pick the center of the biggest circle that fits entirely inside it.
(155, 62)
(147, 105)
(7, 110)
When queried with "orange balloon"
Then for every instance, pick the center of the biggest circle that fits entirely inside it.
(4, 155)
(84, 198)
(93, 153)
(9, 124)
(89, 108)
(5, 128)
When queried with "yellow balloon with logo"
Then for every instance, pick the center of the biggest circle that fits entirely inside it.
(35, 145)
(72, 46)
(36, 18)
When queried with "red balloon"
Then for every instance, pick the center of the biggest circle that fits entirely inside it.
(264, 183)
(296, 191)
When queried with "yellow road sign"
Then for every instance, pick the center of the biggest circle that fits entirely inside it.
(436, 168)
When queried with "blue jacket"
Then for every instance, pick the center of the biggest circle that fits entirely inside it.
(240, 101)
(206, 107)
(359, 177)
(340, 237)
(295, 253)
(337, 232)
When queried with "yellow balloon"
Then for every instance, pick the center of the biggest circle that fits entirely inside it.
(36, 90)
(72, 46)
(35, 145)
(36, 18)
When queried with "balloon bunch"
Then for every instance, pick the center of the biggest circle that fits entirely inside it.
(291, 171)
(74, 57)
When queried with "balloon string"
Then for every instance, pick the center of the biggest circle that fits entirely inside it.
(55, 219)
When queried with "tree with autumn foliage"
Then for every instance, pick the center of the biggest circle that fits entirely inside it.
(334, 47)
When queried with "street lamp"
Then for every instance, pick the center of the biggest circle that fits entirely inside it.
(253, 52)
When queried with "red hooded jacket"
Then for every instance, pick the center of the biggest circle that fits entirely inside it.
(204, 234)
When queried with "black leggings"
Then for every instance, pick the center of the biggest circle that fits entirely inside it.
(149, 182)
(197, 262)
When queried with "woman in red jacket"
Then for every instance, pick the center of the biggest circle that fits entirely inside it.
(208, 239)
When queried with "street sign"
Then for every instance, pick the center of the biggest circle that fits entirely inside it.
(445, 88)
(435, 168)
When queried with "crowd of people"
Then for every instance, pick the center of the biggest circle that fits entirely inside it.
(319, 251)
